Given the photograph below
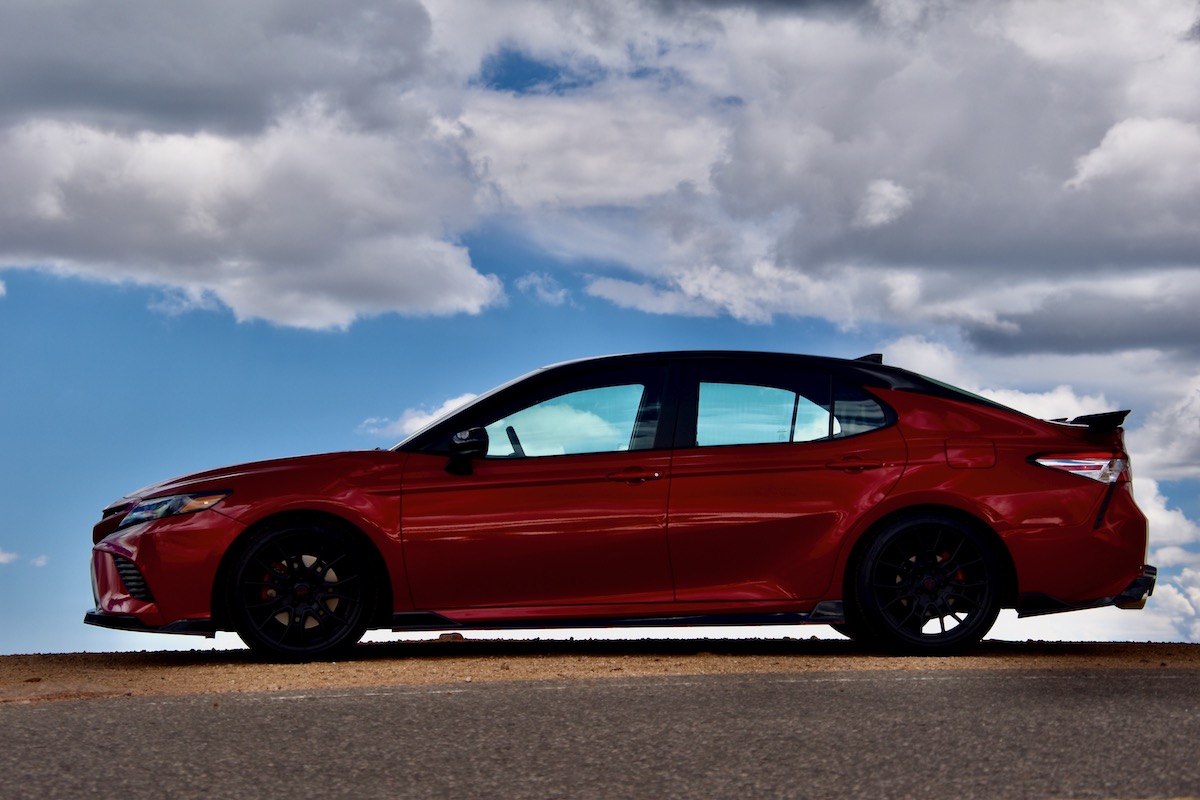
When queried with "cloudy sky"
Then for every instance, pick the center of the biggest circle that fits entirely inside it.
(235, 230)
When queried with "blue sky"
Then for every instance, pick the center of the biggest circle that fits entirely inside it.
(249, 231)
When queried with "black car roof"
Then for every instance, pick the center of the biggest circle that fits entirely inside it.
(868, 370)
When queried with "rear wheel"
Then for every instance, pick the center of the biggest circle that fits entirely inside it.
(928, 585)
(301, 592)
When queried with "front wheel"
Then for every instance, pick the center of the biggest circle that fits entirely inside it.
(300, 592)
(928, 585)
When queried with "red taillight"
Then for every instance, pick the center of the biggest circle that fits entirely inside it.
(1102, 467)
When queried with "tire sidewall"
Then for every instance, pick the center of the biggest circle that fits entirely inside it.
(880, 630)
(244, 568)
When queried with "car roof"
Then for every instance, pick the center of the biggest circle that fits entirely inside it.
(868, 370)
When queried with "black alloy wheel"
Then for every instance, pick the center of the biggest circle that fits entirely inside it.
(301, 592)
(927, 585)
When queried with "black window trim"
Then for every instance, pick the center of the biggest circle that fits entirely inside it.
(678, 399)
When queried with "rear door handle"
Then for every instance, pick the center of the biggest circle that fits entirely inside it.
(636, 475)
(854, 464)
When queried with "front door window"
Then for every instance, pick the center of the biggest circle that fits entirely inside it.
(598, 420)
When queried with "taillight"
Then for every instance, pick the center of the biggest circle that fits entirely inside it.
(1102, 467)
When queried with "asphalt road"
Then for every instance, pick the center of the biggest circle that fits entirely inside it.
(1011, 734)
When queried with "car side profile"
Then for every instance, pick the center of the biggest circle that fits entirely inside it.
(716, 488)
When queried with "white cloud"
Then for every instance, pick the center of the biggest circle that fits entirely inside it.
(412, 275)
(1168, 444)
(544, 287)
(1177, 602)
(620, 148)
(1168, 526)
(1083, 34)
(312, 223)
(7, 557)
(1173, 556)
(731, 157)
(1156, 157)
(767, 289)
(642, 297)
(1012, 192)
(884, 203)
(413, 419)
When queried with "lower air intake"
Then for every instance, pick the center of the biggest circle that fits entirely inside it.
(135, 584)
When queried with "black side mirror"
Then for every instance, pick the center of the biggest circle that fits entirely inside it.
(464, 446)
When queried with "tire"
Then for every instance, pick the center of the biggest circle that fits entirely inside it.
(854, 630)
(301, 592)
(928, 585)
(845, 629)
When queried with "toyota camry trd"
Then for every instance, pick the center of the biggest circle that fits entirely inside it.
(715, 488)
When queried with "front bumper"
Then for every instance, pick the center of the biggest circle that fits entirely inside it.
(1134, 597)
(128, 622)
(159, 575)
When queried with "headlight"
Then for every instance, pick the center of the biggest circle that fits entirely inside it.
(159, 507)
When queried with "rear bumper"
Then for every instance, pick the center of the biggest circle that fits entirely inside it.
(1134, 596)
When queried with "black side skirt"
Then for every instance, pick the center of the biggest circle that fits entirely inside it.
(828, 612)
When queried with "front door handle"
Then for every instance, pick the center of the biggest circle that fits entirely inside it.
(634, 475)
(854, 464)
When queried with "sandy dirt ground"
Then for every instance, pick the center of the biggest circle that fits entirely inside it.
(40, 678)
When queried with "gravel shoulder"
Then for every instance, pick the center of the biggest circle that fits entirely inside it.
(77, 676)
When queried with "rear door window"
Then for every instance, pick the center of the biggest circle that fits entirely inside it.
(737, 404)
(738, 413)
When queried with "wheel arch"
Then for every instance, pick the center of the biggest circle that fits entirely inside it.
(381, 615)
(1008, 590)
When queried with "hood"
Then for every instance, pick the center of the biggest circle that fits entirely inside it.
(214, 478)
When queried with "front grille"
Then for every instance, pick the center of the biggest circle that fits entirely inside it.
(135, 584)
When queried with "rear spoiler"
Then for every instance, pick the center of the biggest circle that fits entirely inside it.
(1107, 421)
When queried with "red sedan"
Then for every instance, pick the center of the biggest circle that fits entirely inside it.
(656, 489)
